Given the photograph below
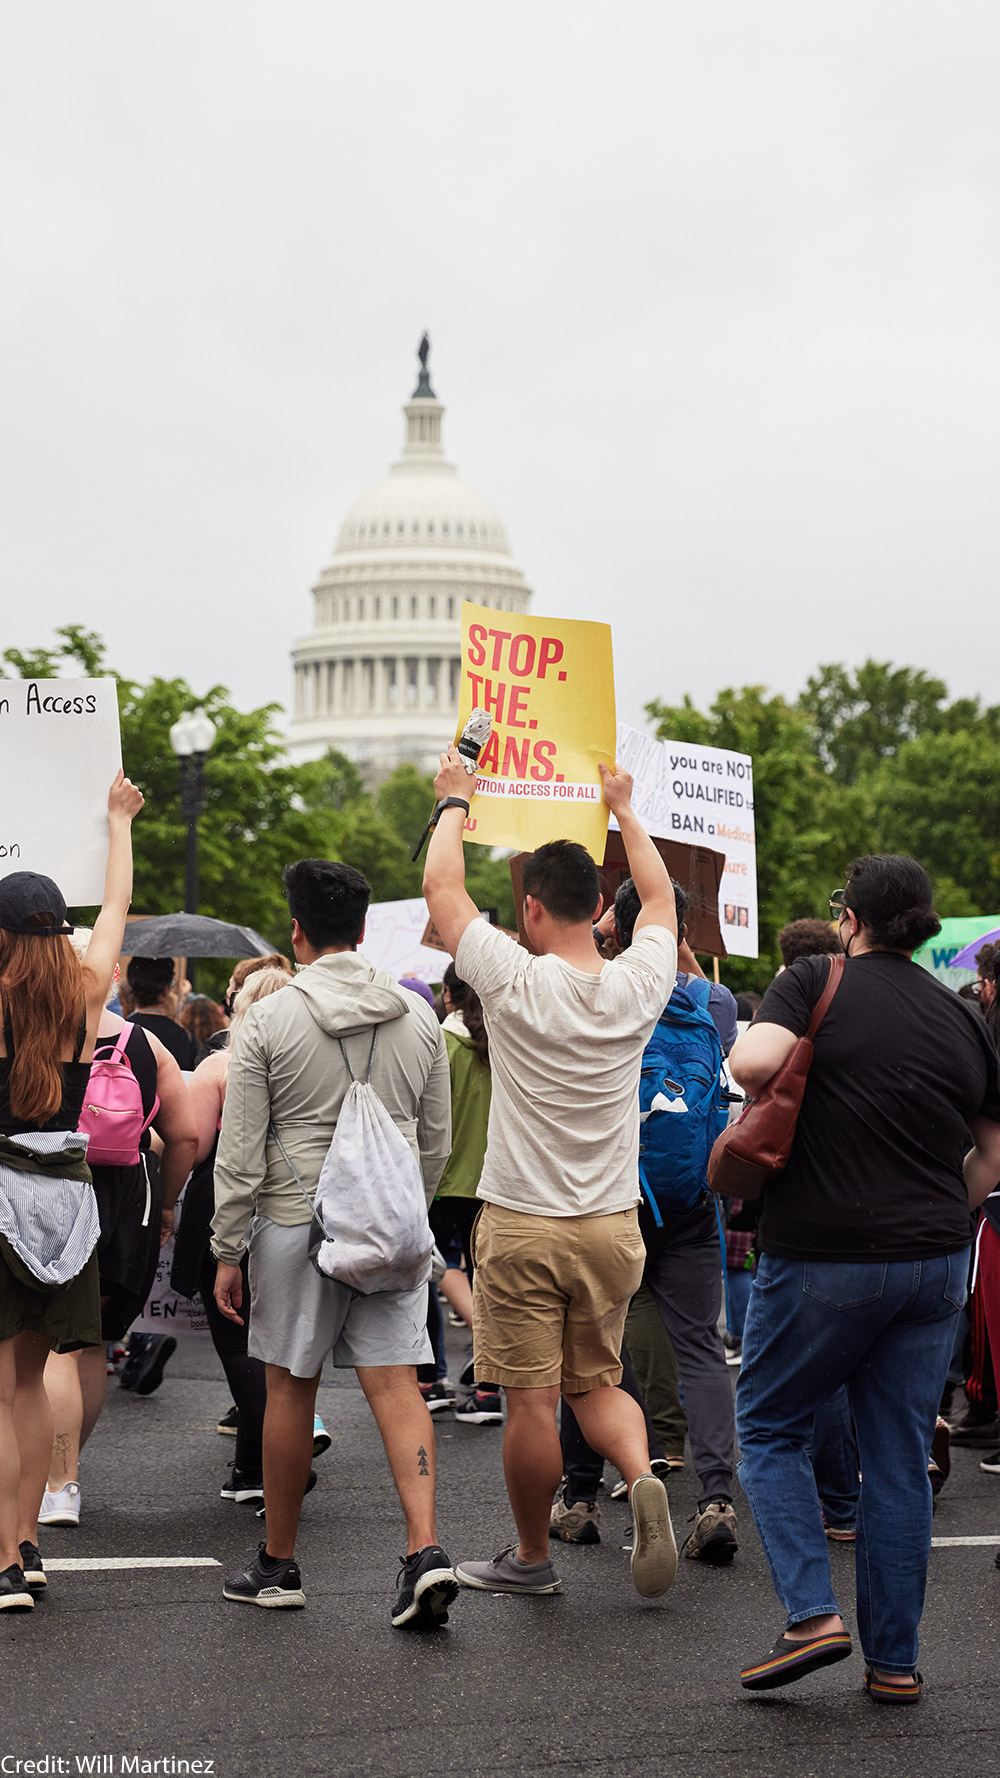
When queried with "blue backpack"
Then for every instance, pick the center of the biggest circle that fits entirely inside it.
(683, 1103)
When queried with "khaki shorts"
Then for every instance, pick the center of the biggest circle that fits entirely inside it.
(550, 1297)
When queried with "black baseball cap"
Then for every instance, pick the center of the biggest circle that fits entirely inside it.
(23, 896)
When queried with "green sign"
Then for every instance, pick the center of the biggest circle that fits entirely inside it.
(937, 953)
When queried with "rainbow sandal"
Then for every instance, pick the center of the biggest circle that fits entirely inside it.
(790, 1660)
(881, 1692)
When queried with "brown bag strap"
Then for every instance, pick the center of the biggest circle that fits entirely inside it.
(822, 1006)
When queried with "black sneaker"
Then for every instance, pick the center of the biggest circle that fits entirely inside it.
(143, 1372)
(483, 1408)
(426, 1588)
(31, 1564)
(991, 1464)
(229, 1425)
(266, 1581)
(435, 1396)
(14, 1594)
(242, 1486)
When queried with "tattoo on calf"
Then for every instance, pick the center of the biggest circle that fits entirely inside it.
(422, 1465)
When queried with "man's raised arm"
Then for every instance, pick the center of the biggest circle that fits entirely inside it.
(649, 873)
(451, 907)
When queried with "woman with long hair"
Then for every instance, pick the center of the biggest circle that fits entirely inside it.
(50, 1009)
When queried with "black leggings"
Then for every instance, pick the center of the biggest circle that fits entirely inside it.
(246, 1376)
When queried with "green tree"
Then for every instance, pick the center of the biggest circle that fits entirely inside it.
(939, 800)
(862, 717)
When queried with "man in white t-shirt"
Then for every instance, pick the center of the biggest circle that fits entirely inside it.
(557, 1246)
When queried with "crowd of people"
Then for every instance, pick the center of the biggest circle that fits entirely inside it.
(527, 1152)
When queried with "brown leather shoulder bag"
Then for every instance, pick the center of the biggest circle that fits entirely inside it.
(757, 1146)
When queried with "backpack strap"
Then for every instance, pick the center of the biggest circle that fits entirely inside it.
(699, 989)
(121, 1044)
(371, 1054)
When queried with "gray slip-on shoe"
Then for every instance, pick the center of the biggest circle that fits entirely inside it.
(505, 1574)
(654, 1554)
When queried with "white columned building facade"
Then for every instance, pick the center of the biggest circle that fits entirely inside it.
(377, 677)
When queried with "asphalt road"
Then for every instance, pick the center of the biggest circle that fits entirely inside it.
(152, 1661)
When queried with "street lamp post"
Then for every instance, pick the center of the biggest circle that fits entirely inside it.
(191, 739)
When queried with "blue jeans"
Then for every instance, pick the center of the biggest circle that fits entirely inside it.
(737, 1297)
(833, 1453)
(885, 1328)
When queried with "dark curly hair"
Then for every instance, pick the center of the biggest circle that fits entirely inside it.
(808, 938)
(892, 895)
(466, 1001)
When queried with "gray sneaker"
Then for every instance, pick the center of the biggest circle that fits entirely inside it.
(577, 1523)
(654, 1554)
(505, 1574)
(714, 1536)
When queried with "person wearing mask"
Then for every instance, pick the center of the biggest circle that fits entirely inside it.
(50, 1010)
(151, 980)
(864, 1253)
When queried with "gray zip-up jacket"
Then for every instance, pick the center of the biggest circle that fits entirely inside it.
(287, 1070)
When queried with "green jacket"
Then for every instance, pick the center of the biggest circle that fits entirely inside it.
(471, 1086)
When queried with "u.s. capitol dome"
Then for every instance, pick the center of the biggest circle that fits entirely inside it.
(378, 675)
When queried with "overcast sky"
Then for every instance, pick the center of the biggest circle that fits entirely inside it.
(713, 294)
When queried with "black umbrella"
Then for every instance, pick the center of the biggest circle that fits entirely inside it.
(191, 935)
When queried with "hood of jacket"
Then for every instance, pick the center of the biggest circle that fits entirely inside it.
(345, 993)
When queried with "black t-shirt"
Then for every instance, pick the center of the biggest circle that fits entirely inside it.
(172, 1036)
(900, 1067)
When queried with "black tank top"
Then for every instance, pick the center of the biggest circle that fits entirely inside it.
(75, 1076)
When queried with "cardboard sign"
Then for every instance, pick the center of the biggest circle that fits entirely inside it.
(701, 796)
(548, 683)
(60, 750)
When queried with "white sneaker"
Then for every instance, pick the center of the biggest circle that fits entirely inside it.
(61, 1507)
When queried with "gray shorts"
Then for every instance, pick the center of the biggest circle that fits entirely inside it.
(298, 1319)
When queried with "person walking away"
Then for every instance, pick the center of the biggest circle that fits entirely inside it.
(194, 1268)
(864, 1254)
(135, 1205)
(154, 990)
(678, 1220)
(292, 1066)
(557, 1246)
(50, 1009)
(456, 1205)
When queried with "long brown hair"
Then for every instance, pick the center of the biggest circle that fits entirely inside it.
(466, 1001)
(41, 980)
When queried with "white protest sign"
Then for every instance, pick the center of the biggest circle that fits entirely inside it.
(165, 1311)
(60, 749)
(701, 796)
(393, 932)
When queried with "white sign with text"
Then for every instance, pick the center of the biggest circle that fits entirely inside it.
(701, 796)
(60, 750)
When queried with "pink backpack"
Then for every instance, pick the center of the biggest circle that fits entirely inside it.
(112, 1114)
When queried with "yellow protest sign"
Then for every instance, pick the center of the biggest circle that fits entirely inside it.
(548, 683)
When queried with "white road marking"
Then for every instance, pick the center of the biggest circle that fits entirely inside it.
(77, 1564)
(954, 1543)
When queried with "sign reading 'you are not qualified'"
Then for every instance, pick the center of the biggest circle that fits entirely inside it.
(60, 749)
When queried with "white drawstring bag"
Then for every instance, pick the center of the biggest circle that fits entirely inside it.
(372, 1233)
